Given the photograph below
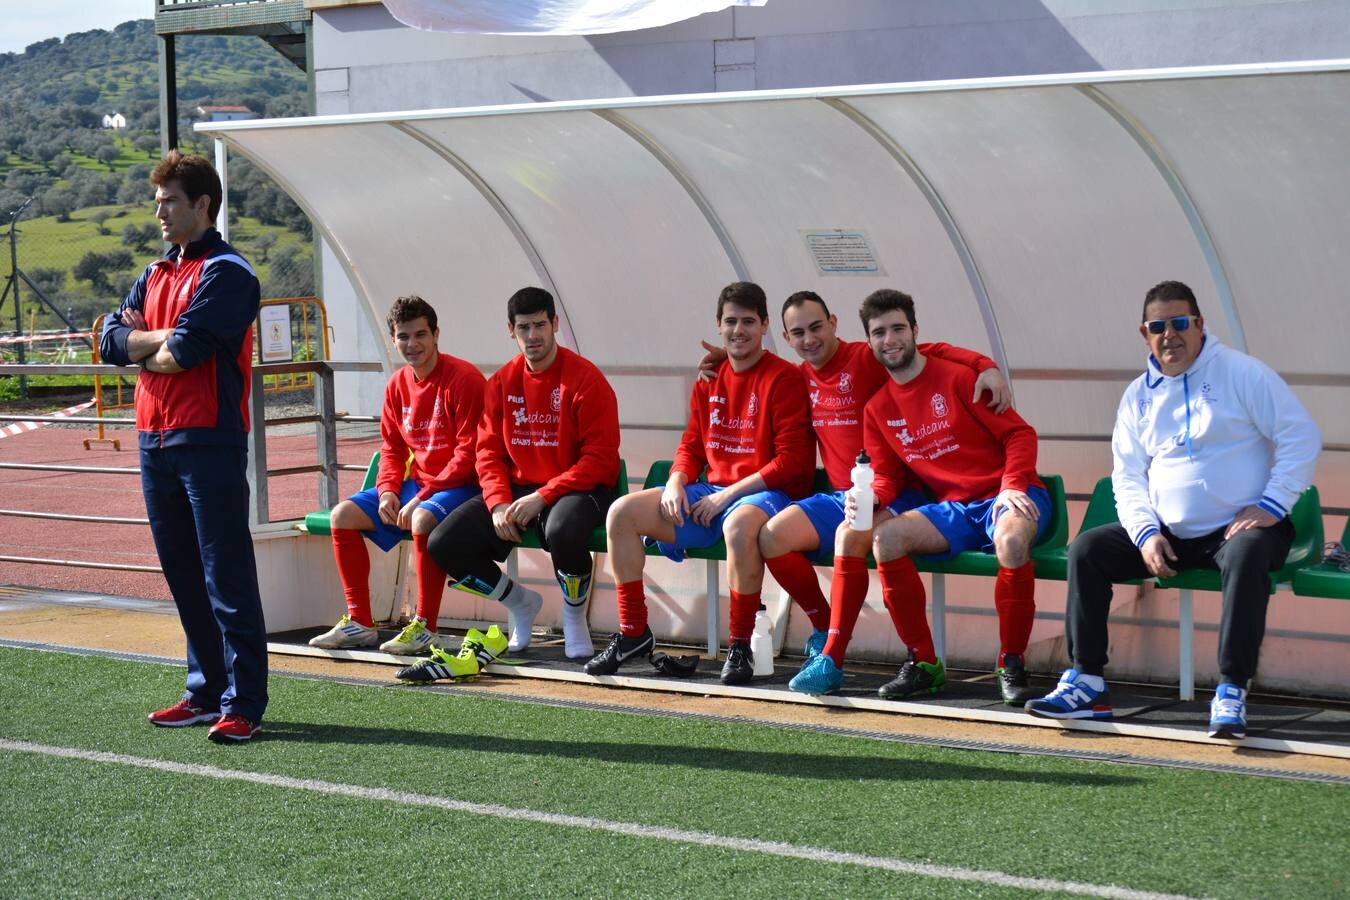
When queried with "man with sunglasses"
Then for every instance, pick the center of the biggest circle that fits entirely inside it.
(1211, 451)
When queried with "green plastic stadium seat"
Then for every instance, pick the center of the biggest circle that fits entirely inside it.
(1325, 579)
(1052, 563)
(317, 522)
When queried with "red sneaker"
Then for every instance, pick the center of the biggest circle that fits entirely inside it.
(182, 713)
(232, 729)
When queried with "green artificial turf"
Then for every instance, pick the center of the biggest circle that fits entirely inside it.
(1162, 830)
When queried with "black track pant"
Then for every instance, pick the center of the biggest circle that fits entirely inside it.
(1106, 554)
(465, 543)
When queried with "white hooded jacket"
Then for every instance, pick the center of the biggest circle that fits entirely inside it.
(1194, 449)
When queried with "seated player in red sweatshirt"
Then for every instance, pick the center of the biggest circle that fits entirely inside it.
(750, 427)
(980, 468)
(841, 376)
(548, 458)
(431, 411)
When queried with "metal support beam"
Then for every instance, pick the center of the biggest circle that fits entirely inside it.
(168, 94)
(944, 214)
(222, 169)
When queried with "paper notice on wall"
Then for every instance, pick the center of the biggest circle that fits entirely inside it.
(842, 251)
(274, 334)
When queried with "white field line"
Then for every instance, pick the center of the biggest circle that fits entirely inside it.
(631, 829)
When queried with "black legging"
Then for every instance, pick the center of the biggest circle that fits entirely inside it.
(465, 543)
(1106, 554)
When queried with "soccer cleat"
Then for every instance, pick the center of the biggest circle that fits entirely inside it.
(1013, 683)
(915, 678)
(522, 605)
(414, 640)
(346, 633)
(620, 650)
(477, 651)
(815, 644)
(1072, 698)
(819, 675)
(180, 714)
(740, 665)
(1228, 712)
(232, 729)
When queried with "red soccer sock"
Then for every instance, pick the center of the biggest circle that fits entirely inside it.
(632, 608)
(1015, 600)
(353, 565)
(904, 596)
(430, 582)
(848, 590)
(741, 615)
(798, 577)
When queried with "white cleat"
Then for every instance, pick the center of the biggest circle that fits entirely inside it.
(346, 634)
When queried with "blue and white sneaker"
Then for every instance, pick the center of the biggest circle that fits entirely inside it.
(1072, 698)
(815, 644)
(819, 675)
(1228, 712)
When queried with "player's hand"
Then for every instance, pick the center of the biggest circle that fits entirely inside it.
(1018, 502)
(388, 508)
(502, 524)
(526, 509)
(674, 504)
(710, 507)
(1251, 517)
(708, 363)
(132, 318)
(992, 380)
(850, 507)
(406, 513)
(1158, 556)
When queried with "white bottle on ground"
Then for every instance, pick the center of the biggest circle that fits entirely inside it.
(761, 642)
(862, 492)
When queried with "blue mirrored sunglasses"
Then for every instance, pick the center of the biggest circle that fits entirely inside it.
(1178, 323)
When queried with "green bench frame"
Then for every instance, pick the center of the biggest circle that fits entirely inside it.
(1323, 579)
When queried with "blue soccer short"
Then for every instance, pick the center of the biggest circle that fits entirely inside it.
(970, 526)
(693, 536)
(826, 512)
(439, 504)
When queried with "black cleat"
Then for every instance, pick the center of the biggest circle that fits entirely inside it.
(740, 665)
(915, 678)
(1013, 683)
(620, 650)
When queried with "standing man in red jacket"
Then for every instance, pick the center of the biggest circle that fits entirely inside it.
(188, 322)
(431, 411)
(980, 468)
(548, 457)
(750, 426)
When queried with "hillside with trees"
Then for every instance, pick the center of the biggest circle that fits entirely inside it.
(90, 227)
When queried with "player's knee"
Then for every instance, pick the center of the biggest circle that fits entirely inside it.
(741, 530)
(424, 521)
(848, 542)
(1013, 548)
(619, 518)
(347, 515)
(890, 541)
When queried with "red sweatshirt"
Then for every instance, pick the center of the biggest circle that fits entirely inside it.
(960, 450)
(741, 423)
(841, 388)
(437, 419)
(558, 428)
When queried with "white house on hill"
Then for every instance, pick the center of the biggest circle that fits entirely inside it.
(115, 120)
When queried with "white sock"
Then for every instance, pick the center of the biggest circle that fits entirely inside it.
(576, 632)
(522, 605)
(1096, 682)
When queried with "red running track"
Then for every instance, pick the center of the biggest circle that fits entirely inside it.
(82, 493)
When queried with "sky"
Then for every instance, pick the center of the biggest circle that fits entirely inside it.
(29, 21)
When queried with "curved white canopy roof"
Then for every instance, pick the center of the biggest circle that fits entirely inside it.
(1027, 216)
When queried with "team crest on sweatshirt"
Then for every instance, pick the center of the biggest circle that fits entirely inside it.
(939, 404)
(555, 399)
(753, 406)
(845, 384)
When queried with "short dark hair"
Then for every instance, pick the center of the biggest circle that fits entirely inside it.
(802, 297)
(530, 300)
(1167, 291)
(886, 300)
(745, 294)
(194, 173)
(405, 309)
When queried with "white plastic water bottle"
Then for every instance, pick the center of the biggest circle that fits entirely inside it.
(862, 492)
(761, 642)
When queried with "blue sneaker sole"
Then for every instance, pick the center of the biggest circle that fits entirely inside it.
(1069, 714)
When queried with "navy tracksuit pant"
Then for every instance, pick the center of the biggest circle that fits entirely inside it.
(196, 497)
